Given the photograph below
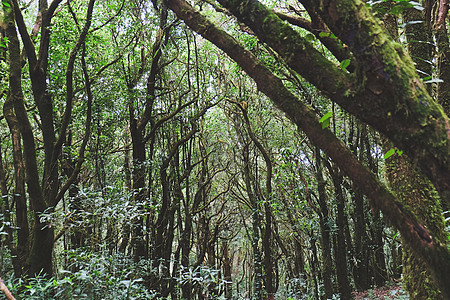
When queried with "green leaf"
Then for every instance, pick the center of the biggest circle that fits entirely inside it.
(395, 235)
(344, 64)
(6, 4)
(325, 123)
(325, 120)
(326, 116)
(310, 37)
(399, 152)
(389, 153)
(324, 34)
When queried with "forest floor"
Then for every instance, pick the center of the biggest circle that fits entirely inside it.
(394, 291)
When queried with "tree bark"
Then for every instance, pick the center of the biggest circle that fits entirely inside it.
(19, 197)
(325, 230)
(342, 247)
(443, 57)
(416, 191)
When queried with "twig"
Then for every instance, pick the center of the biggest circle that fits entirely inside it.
(5, 290)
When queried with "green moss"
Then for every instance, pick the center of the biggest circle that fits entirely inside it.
(417, 194)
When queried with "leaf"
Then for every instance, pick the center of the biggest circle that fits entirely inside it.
(434, 80)
(325, 120)
(324, 34)
(395, 235)
(344, 64)
(325, 123)
(310, 37)
(6, 4)
(399, 152)
(389, 153)
(411, 23)
(326, 116)
(400, 7)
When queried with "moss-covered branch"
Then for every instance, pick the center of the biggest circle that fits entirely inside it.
(387, 93)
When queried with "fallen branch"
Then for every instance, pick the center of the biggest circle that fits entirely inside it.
(5, 290)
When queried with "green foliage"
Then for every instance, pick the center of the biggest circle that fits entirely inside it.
(327, 34)
(391, 152)
(5, 3)
(325, 120)
(201, 278)
(344, 64)
(92, 276)
(190, 68)
(4, 42)
(398, 7)
(402, 5)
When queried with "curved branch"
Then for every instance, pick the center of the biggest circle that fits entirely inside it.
(5, 290)
(110, 19)
(87, 134)
(385, 92)
(26, 39)
(69, 79)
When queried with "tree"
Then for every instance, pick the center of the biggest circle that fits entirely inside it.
(43, 197)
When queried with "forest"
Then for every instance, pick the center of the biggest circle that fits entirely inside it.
(202, 149)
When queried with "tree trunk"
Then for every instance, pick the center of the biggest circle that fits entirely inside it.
(443, 57)
(417, 192)
(19, 196)
(139, 190)
(227, 271)
(341, 250)
(4, 206)
(360, 273)
(379, 266)
(325, 229)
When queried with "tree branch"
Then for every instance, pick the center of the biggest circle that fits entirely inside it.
(5, 290)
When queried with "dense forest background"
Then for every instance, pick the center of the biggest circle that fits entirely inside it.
(224, 149)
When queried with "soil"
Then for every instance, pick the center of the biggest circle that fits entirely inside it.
(387, 292)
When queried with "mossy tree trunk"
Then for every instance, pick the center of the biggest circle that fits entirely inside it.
(384, 91)
(443, 61)
(417, 193)
(409, 184)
